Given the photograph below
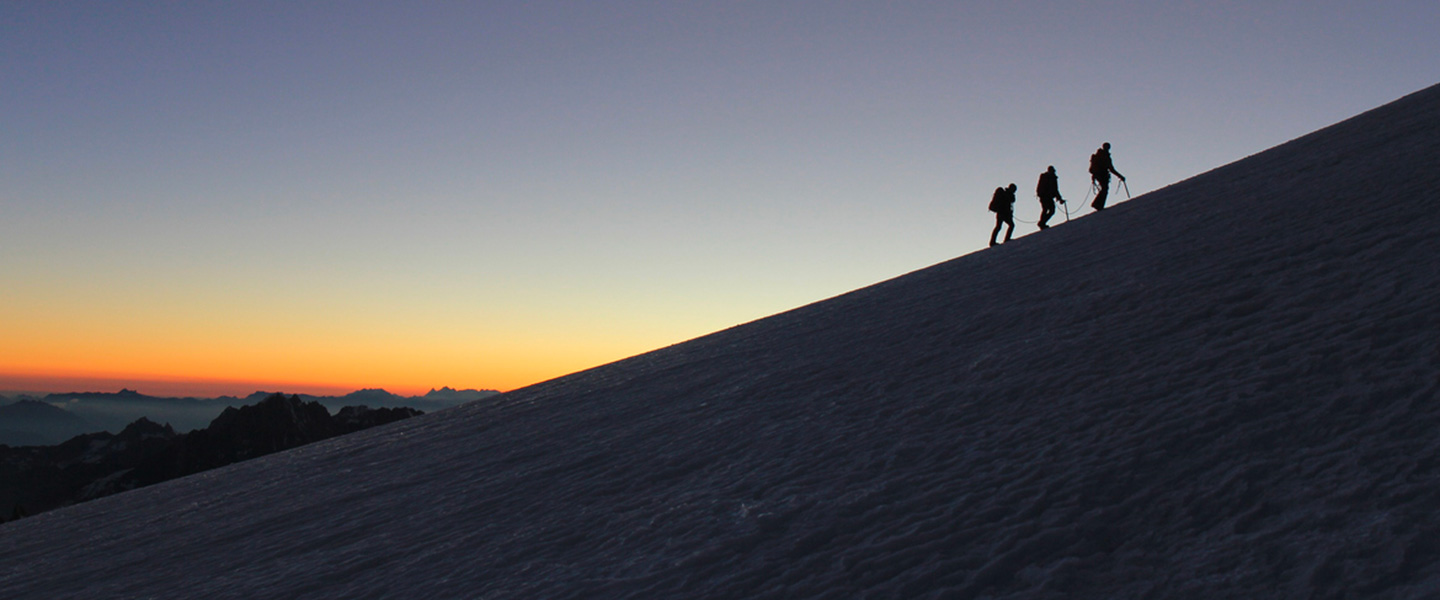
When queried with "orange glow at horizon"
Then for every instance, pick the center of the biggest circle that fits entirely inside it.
(203, 335)
(242, 371)
(207, 387)
(164, 387)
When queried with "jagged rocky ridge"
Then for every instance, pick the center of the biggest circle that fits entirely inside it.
(24, 422)
(39, 478)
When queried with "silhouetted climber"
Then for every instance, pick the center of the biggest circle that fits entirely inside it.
(1048, 190)
(1100, 169)
(1003, 205)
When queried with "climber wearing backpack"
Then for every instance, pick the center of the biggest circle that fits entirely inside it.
(1003, 205)
(1048, 190)
(1100, 169)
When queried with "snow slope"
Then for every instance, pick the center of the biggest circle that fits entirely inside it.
(1226, 388)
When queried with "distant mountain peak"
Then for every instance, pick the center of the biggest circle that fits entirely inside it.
(453, 395)
(29, 408)
(144, 428)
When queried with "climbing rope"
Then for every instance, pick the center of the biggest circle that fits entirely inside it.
(1065, 206)
(1094, 190)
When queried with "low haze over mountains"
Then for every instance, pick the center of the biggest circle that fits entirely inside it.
(35, 479)
(54, 418)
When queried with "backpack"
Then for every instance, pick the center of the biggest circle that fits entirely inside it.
(1048, 186)
(1099, 163)
(999, 203)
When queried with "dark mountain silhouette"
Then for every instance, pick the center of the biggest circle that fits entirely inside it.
(1227, 388)
(36, 479)
(429, 402)
(113, 411)
(35, 423)
(451, 395)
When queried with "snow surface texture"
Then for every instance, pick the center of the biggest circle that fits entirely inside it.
(1224, 389)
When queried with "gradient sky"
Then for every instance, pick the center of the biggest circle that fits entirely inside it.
(208, 198)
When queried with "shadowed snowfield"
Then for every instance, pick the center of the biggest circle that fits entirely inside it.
(1227, 388)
